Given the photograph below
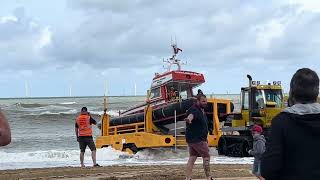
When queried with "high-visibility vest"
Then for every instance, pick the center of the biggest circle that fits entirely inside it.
(172, 94)
(84, 126)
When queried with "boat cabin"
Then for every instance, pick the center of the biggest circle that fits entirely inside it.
(171, 86)
(175, 85)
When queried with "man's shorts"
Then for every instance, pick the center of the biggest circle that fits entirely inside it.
(199, 149)
(86, 141)
(256, 168)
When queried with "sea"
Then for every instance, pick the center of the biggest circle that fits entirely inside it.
(43, 134)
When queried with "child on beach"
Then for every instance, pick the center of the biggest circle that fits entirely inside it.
(258, 149)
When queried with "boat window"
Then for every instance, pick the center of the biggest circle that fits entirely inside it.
(155, 93)
(189, 93)
(172, 93)
(183, 95)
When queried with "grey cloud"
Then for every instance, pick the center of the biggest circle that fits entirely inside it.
(140, 31)
(136, 33)
(18, 41)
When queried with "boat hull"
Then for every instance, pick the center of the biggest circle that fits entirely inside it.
(164, 117)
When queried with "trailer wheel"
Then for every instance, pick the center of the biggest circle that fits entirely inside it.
(222, 147)
(132, 147)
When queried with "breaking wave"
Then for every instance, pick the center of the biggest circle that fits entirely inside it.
(31, 105)
(67, 103)
(70, 112)
(112, 113)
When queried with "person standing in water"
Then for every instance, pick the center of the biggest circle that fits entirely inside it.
(5, 133)
(83, 129)
(196, 136)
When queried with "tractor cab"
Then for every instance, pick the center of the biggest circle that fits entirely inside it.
(260, 103)
(257, 100)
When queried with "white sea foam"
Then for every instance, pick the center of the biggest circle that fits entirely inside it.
(110, 112)
(55, 158)
(105, 157)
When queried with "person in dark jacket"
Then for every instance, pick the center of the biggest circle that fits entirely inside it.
(258, 149)
(293, 150)
(196, 136)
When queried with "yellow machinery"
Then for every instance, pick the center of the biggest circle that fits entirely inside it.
(136, 136)
(260, 103)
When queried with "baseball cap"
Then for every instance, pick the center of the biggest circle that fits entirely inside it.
(257, 128)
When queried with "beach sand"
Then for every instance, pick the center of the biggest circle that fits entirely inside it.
(143, 172)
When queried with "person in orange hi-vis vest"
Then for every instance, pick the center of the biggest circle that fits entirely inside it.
(83, 129)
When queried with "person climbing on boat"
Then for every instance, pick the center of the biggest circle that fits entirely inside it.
(83, 129)
(196, 136)
(5, 133)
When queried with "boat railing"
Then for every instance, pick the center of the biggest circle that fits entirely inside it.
(121, 129)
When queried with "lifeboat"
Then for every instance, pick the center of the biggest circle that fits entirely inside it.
(171, 94)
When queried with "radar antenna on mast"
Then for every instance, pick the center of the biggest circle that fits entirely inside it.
(173, 60)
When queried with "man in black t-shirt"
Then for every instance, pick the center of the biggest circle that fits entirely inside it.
(196, 136)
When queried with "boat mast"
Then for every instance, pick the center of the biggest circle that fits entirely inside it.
(173, 60)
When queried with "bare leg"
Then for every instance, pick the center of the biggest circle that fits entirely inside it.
(94, 157)
(82, 159)
(206, 167)
(191, 161)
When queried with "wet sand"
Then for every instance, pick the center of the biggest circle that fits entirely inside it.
(145, 172)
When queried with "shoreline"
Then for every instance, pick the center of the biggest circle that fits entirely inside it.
(123, 172)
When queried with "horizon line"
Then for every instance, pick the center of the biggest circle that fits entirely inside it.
(93, 96)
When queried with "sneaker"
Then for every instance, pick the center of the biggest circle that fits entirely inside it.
(97, 165)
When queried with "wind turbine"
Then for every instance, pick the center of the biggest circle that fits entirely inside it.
(135, 89)
(26, 86)
(70, 90)
(106, 93)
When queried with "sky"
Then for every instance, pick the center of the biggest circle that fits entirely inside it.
(89, 45)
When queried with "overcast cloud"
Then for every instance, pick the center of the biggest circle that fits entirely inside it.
(54, 44)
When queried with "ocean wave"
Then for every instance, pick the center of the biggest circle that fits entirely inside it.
(55, 112)
(31, 105)
(110, 112)
(69, 112)
(37, 107)
(67, 103)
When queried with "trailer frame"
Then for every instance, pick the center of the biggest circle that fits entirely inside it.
(136, 136)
